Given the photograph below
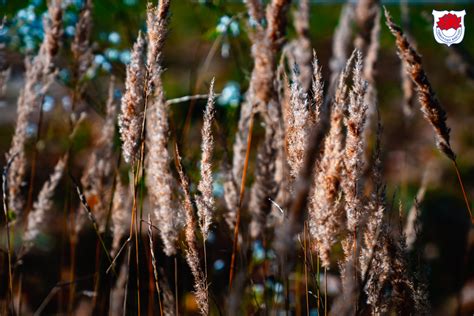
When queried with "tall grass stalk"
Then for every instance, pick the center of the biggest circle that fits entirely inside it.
(29, 200)
(7, 221)
(306, 268)
(153, 261)
(313, 188)
(431, 107)
(192, 254)
(239, 207)
(93, 220)
(82, 58)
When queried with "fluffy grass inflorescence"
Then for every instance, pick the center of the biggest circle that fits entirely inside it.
(325, 210)
(353, 158)
(432, 109)
(39, 217)
(133, 101)
(98, 176)
(160, 180)
(192, 255)
(81, 46)
(38, 78)
(308, 219)
(205, 201)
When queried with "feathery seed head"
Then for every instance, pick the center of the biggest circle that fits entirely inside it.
(130, 119)
(205, 201)
(38, 217)
(432, 109)
(80, 47)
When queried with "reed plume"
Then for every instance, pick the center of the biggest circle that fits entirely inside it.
(260, 99)
(159, 178)
(325, 212)
(317, 89)
(38, 218)
(264, 187)
(17, 173)
(284, 239)
(282, 170)
(371, 61)
(120, 214)
(205, 201)
(354, 150)
(265, 42)
(80, 46)
(366, 14)
(53, 30)
(413, 224)
(386, 278)
(341, 44)
(192, 254)
(130, 118)
(255, 10)
(256, 13)
(265, 45)
(298, 51)
(297, 122)
(432, 109)
(156, 22)
(379, 273)
(303, 186)
(389, 284)
(276, 21)
(98, 176)
(310, 170)
(326, 215)
(38, 77)
(375, 208)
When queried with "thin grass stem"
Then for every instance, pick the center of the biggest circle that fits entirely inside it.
(34, 160)
(306, 268)
(92, 219)
(176, 285)
(463, 191)
(325, 291)
(239, 208)
(7, 223)
(153, 262)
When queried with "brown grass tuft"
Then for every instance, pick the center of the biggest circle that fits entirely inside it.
(131, 116)
(39, 216)
(205, 201)
(432, 109)
(192, 254)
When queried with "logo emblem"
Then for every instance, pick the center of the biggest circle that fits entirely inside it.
(448, 27)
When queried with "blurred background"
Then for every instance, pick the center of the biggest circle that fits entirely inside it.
(209, 39)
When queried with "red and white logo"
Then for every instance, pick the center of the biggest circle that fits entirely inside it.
(448, 27)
